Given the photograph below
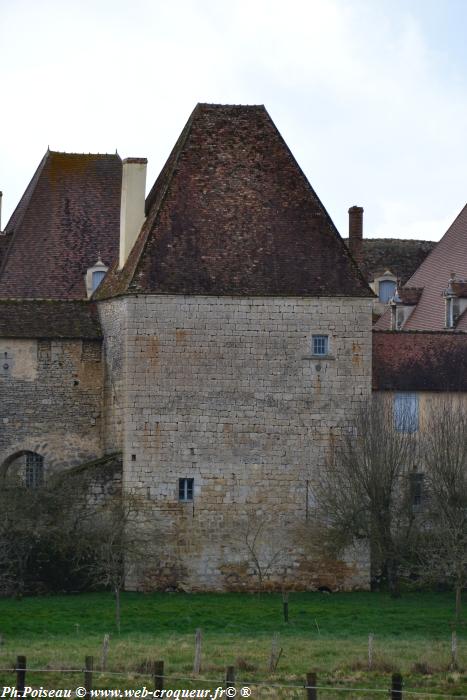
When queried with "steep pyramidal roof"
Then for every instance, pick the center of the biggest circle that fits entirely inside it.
(449, 255)
(69, 212)
(232, 213)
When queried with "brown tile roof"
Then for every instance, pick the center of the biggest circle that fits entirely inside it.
(449, 255)
(69, 212)
(232, 213)
(49, 319)
(419, 361)
(402, 257)
(410, 296)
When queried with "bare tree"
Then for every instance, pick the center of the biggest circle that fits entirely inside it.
(116, 542)
(266, 545)
(363, 493)
(442, 543)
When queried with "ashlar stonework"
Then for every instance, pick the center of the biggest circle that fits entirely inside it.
(227, 392)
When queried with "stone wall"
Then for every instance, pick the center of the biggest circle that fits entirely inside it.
(50, 400)
(226, 391)
(113, 319)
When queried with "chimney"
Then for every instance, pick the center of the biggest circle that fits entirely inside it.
(356, 233)
(132, 213)
(1, 195)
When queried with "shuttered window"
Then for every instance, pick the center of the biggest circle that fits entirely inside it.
(386, 290)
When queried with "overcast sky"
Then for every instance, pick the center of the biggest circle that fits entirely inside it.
(370, 95)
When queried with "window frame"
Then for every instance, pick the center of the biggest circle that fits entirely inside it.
(416, 480)
(34, 470)
(317, 338)
(406, 418)
(382, 285)
(186, 489)
(102, 274)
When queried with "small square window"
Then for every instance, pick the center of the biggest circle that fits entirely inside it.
(185, 489)
(320, 345)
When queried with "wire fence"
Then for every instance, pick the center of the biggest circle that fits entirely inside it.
(161, 684)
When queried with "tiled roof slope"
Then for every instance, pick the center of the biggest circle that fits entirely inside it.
(401, 256)
(49, 319)
(232, 213)
(69, 212)
(449, 255)
(419, 361)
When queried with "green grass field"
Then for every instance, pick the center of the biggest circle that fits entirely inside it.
(326, 633)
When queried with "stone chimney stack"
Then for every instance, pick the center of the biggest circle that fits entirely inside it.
(132, 213)
(356, 233)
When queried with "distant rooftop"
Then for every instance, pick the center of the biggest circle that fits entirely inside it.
(68, 214)
(401, 256)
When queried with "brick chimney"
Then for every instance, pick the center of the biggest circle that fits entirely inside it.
(356, 233)
(132, 204)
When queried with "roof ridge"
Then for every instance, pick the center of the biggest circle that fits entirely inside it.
(223, 105)
(76, 153)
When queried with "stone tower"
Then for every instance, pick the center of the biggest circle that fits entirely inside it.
(238, 340)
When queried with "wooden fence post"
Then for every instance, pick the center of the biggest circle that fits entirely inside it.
(230, 677)
(370, 652)
(88, 666)
(285, 605)
(396, 689)
(158, 675)
(105, 652)
(453, 650)
(311, 689)
(20, 673)
(197, 661)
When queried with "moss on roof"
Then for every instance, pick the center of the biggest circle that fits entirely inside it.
(33, 318)
(401, 256)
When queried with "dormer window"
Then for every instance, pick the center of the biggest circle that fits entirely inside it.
(94, 276)
(455, 298)
(97, 277)
(386, 290)
(385, 286)
(452, 311)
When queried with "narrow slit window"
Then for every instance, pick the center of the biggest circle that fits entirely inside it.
(416, 488)
(185, 489)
